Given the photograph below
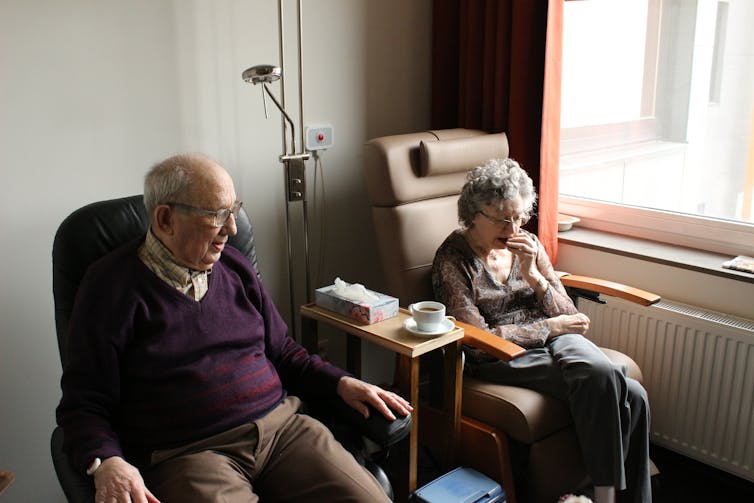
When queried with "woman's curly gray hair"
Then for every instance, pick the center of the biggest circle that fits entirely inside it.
(494, 181)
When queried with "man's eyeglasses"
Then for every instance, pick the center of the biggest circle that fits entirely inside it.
(220, 217)
(516, 222)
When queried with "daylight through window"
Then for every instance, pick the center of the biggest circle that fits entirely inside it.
(658, 106)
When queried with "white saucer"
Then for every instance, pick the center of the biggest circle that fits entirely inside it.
(445, 326)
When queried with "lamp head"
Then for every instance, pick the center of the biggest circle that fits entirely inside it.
(262, 74)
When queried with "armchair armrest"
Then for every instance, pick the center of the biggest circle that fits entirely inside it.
(489, 343)
(611, 288)
(506, 350)
(77, 486)
(349, 426)
(377, 428)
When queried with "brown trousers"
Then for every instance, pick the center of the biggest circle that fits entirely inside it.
(283, 456)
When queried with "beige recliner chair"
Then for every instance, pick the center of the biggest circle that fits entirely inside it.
(413, 182)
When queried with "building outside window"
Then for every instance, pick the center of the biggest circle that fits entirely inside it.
(657, 119)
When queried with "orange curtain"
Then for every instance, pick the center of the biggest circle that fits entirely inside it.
(496, 66)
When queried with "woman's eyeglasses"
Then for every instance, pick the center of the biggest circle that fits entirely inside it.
(516, 222)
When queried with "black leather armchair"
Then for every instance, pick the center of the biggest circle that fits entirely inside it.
(98, 228)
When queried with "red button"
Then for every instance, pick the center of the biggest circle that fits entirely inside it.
(320, 137)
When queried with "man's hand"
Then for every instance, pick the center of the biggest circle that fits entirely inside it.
(357, 393)
(568, 324)
(118, 481)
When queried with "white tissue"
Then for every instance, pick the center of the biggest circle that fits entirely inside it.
(354, 292)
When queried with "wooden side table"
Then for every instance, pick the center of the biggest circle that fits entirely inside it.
(6, 479)
(391, 335)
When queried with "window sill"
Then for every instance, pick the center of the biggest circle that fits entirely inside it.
(677, 256)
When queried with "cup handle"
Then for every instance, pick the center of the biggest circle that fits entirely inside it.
(451, 318)
(411, 309)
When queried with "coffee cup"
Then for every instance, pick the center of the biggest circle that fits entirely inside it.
(428, 315)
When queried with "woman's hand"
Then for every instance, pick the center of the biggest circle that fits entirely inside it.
(568, 324)
(525, 248)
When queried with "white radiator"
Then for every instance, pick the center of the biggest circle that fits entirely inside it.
(698, 370)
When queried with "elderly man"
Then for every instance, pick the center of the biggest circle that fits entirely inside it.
(180, 367)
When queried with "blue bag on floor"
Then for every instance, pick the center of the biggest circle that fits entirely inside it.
(462, 485)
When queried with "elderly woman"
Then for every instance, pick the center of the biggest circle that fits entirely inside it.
(493, 274)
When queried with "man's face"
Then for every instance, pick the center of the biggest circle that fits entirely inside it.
(195, 241)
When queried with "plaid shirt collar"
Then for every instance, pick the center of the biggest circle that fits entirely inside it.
(160, 261)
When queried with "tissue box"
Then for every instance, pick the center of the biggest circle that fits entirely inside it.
(366, 312)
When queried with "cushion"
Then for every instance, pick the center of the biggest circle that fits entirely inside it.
(526, 415)
(460, 155)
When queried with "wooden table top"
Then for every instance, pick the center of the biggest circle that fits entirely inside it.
(389, 333)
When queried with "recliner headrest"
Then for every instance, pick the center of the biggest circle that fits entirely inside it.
(461, 154)
(396, 174)
(96, 229)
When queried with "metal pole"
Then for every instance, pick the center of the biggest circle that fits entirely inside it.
(291, 285)
(301, 133)
(281, 49)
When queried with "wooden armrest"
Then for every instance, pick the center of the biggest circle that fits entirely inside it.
(490, 343)
(610, 288)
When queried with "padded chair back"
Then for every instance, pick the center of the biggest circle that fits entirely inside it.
(91, 232)
(98, 228)
(413, 183)
(86, 235)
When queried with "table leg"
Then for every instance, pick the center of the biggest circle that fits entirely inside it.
(309, 335)
(409, 388)
(453, 367)
(353, 355)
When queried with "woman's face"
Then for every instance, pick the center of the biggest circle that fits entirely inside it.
(498, 221)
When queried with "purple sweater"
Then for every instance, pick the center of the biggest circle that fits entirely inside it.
(150, 368)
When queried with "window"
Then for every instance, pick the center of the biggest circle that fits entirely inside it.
(657, 120)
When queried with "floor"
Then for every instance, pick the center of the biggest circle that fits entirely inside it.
(681, 480)
(685, 480)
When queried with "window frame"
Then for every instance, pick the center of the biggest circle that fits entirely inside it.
(704, 233)
(694, 231)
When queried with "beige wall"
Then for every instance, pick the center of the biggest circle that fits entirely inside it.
(93, 92)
